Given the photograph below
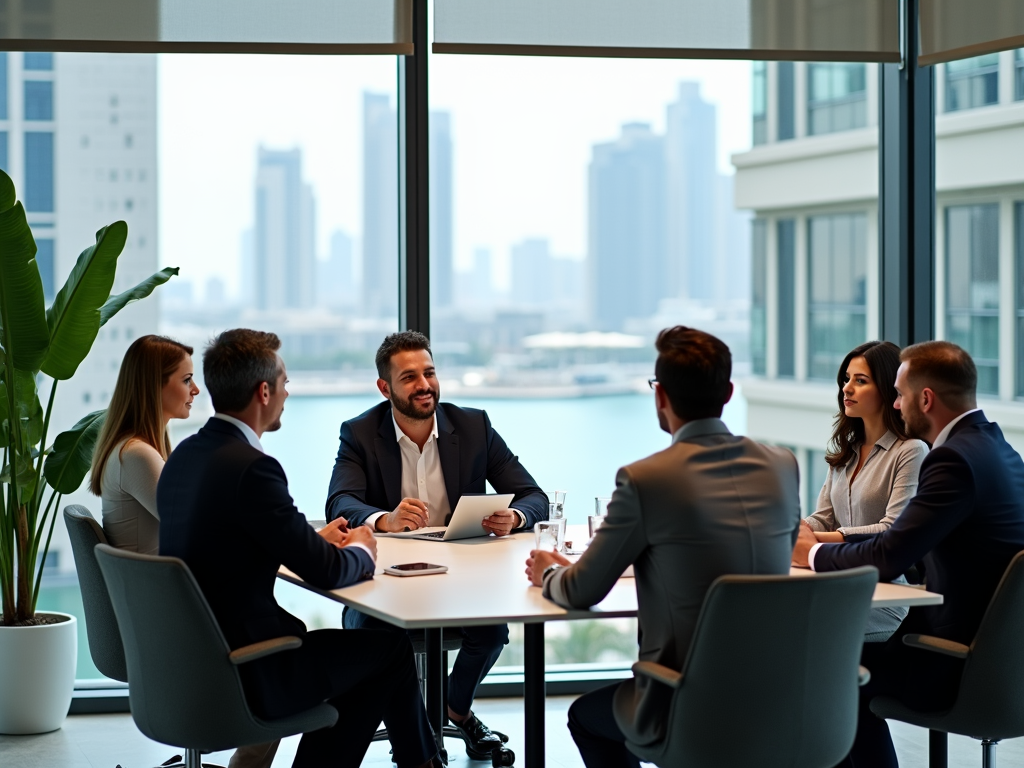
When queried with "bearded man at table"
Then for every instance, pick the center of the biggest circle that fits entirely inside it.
(965, 524)
(403, 465)
(708, 505)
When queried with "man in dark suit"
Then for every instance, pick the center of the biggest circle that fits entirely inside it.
(965, 524)
(710, 504)
(226, 511)
(403, 465)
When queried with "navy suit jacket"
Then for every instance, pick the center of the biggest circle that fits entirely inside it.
(368, 471)
(965, 523)
(226, 511)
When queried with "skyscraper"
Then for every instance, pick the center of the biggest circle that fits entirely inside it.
(380, 206)
(336, 282)
(691, 194)
(284, 232)
(626, 221)
(531, 273)
(440, 209)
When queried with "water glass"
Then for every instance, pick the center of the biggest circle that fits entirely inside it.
(547, 535)
(593, 523)
(556, 504)
(601, 506)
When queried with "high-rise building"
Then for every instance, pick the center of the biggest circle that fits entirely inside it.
(380, 206)
(691, 195)
(284, 241)
(626, 221)
(336, 281)
(440, 209)
(531, 273)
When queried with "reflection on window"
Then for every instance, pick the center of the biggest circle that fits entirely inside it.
(786, 244)
(972, 287)
(38, 100)
(41, 62)
(786, 100)
(972, 82)
(44, 260)
(1018, 91)
(759, 108)
(759, 303)
(837, 280)
(836, 97)
(38, 171)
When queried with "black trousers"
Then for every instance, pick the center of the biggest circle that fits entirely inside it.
(481, 647)
(597, 735)
(922, 680)
(368, 676)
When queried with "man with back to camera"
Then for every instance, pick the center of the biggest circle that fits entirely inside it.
(966, 523)
(226, 511)
(708, 505)
(403, 465)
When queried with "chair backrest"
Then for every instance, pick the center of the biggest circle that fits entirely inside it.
(771, 677)
(100, 623)
(990, 703)
(184, 691)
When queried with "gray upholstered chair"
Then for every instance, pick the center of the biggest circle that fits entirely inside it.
(100, 622)
(185, 689)
(771, 676)
(990, 703)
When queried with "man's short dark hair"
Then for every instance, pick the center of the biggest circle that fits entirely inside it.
(236, 363)
(944, 368)
(693, 369)
(403, 341)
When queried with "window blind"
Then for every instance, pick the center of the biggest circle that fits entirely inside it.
(960, 29)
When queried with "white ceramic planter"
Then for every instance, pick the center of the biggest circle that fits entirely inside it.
(37, 670)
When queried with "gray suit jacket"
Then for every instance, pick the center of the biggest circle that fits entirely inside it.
(710, 504)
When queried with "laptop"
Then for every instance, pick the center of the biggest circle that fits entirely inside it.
(466, 521)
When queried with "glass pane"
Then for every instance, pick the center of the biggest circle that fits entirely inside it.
(836, 98)
(972, 82)
(759, 108)
(817, 474)
(759, 303)
(1018, 89)
(38, 100)
(786, 257)
(276, 197)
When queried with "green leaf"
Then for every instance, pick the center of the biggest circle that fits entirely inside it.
(116, 303)
(23, 332)
(8, 196)
(66, 467)
(74, 316)
(30, 410)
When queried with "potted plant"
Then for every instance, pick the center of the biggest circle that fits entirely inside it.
(38, 650)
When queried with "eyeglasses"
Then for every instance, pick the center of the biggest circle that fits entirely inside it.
(651, 382)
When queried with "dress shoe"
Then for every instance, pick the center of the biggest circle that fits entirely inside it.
(480, 740)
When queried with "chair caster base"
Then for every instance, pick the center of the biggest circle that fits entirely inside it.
(502, 757)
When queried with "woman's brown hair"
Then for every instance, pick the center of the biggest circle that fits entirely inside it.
(136, 407)
(883, 359)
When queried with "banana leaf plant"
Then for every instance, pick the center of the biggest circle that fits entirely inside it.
(37, 340)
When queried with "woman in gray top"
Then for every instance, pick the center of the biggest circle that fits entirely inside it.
(873, 465)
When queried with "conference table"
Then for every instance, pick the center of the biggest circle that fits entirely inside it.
(485, 584)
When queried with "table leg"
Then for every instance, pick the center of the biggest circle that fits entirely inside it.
(534, 693)
(938, 756)
(435, 682)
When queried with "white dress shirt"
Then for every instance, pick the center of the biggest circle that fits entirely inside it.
(254, 441)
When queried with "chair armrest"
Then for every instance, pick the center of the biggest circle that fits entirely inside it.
(255, 651)
(662, 674)
(938, 645)
(863, 676)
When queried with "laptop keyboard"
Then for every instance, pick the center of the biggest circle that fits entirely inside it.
(433, 535)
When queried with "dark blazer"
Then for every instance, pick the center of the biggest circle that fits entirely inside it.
(226, 511)
(368, 471)
(965, 523)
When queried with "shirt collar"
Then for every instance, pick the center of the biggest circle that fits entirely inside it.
(944, 434)
(700, 428)
(399, 434)
(246, 430)
(887, 440)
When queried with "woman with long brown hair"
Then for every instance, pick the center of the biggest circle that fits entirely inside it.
(873, 464)
(153, 386)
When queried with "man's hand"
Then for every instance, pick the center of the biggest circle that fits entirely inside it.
(409, 515)
(538, 561)
(335, 531)
(363, 536)
(805, 539)
(501, 523)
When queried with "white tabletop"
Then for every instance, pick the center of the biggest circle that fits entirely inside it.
(486, 584)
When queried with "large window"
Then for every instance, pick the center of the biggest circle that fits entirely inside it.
(759, 102)
(785, 238)
(786, 89)
(1018, 75)
(759, 303)
(39, 100)
(3, 86)
(837, 281)
(836, 97)
(972, 82)
(972, 287)
(44, 260)
(38, 192)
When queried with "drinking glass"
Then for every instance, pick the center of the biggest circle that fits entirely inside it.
(557, 516)
(601, 506)
(593, 523)
(556, 504)
(546, 532)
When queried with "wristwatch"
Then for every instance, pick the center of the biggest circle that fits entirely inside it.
(548, 571)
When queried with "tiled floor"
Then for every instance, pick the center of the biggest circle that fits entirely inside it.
(103, 741)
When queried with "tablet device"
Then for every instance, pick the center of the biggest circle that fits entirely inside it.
(467, 519)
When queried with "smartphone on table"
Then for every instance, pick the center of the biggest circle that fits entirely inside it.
(415, 569)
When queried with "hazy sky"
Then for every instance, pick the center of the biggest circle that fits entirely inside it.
(522, 129)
